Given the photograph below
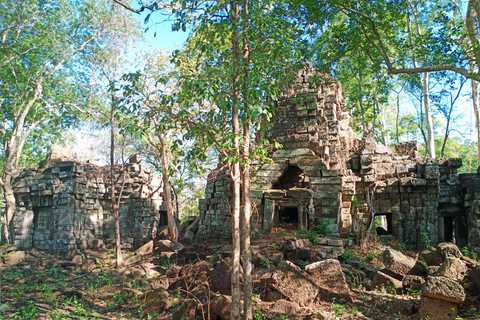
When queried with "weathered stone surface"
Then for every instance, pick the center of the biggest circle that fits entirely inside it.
(189, 235)
(73, 208)
(444, 289)
(469, 262)
(13, 257)
(220, 278)
(173, 271)
(437, 309)
(447, 249)
(160, 282)
(186, 311)
(394, 306)
(453, 268)
(222, 306)
(290, 282)
(157, 301)
(474, 273)
(7, 248)
(283, 306)
(78, 259)
(329, 278)
(397, 262)
(432, 257)
(335, 242)
(383, 280)
(412, 282)
(145, 249)
(288, 245)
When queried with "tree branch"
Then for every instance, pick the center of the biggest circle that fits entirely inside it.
(448, 67)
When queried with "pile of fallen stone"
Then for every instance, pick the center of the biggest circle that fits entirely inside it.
(443, 279)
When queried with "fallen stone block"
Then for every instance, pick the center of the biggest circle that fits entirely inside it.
(13, 257)
(432, 257)
(335, 242)
(453, 268)
(160, 282)
(290, 282)
(383, 280)
(397, 262)
(392, 305)
(412, 282)
(7, 248)
(283, 306)
(447, 249)
(186, 311)
(437, 309)
(329, 278)
(156, 301)
(145, 249)
(444, 289)
(221, 306)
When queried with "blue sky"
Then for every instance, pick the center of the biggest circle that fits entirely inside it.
(165, 38)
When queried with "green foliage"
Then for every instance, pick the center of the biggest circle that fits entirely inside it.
(378, 222)
(216, 255)
(347, 255)
(414, 293)
(339, 309)
(371, 255)
(166, 262)
(470, 253)
(258, 314)
(426, 239)
(266, 262)
(323, 227)
(273, 246)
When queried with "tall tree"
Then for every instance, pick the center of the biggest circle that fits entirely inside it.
(155, 116)
(108, 66)
(42, 46)
(443, 38)
(247, 50)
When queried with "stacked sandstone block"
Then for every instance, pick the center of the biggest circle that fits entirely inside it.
(66, 205)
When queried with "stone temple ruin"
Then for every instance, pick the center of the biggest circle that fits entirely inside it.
(323, 172)
(66, 205)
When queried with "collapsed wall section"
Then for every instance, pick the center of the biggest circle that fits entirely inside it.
(66, 205)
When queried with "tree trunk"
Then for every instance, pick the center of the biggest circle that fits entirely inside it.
(477, 116)
(235, 166)
(247, 214)
(360, 99)
(247, 207)
(115, 212)
(172, 226)
(398, 117)
(10, 208)
(471, 23)
(428, 117)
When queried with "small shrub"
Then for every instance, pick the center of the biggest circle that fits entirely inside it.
(266, 262)
(347, 255)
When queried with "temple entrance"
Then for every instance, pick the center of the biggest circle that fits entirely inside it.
(287, 215)
(452, 226)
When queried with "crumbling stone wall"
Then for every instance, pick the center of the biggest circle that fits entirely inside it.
(421, 201)
(65, 205)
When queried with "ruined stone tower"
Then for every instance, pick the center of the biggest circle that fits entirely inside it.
(322, 170)
(65, 205)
